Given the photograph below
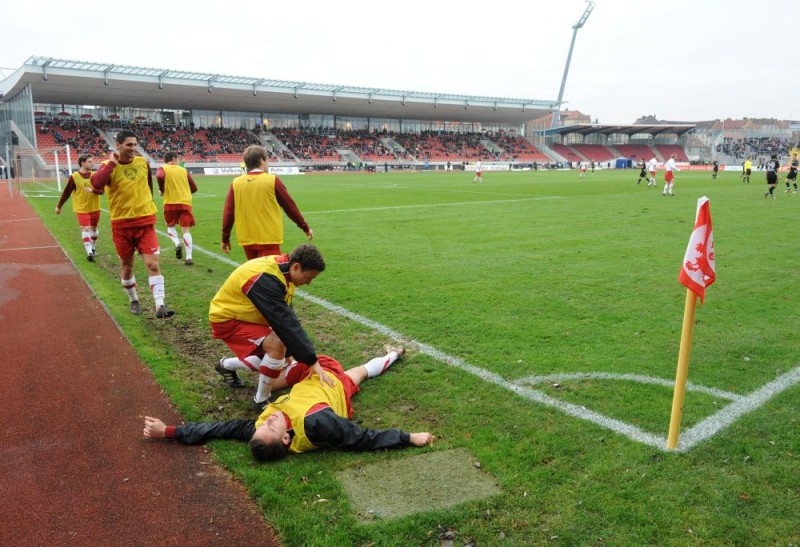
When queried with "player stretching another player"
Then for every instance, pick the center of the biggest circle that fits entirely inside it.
(792, 174)
(669, 176)
(177, 186)
(129, 182)
(85, 204)
(252, 314)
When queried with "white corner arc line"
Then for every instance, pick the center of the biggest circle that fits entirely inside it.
(638, 378)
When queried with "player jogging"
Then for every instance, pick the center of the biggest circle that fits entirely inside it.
(652, 166)
(669, 176)
(792, 174)
(177, 186)
(85, 204)
(127, 179)
(478, 173)
(642, 171)
(772, 167)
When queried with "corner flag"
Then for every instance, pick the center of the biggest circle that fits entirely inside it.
(699, 270)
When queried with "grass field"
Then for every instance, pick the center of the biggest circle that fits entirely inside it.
(542, 314)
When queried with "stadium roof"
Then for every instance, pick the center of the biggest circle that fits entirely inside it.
(59, 81)
(652, 129)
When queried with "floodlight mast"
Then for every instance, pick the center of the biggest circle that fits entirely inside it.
(575, 27)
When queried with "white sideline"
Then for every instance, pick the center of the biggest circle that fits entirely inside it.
(428, 206)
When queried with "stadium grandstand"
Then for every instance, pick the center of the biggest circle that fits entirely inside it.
(53, 110)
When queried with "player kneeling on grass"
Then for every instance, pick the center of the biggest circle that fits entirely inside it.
(312, 415)
(252, 314)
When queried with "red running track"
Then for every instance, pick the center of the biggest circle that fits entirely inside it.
(74, 467)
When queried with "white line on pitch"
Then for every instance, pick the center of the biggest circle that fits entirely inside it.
(428, 206)
(641, 379)
(628, 430)
(707, 428)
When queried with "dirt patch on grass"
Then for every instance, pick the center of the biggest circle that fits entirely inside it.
(416, 484)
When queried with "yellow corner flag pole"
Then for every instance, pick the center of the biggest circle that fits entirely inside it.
(683, 369)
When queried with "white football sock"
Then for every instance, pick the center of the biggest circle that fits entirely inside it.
(378, 365)
(187, 244)
(86, 236)
(173, 235)
(233, 363)
(130, 288)
(157, 287)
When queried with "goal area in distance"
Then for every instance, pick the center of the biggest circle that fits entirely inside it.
(51, 165)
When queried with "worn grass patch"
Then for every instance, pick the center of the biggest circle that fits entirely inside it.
(417, 484)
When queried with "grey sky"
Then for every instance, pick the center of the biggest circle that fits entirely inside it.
(677, 59)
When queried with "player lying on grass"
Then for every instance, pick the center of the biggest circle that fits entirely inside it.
(312, 415)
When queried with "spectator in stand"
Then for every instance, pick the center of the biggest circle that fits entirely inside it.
(254, 205)
(669, 176)
(177, 186)
(85, 204)
(129, 181)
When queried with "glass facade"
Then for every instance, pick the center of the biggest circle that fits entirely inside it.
(250, 120)
(20, 111)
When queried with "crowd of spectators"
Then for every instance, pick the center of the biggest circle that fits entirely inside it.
(195, 144)
(322, 145)
(311, 145)
(81, 137)
(367, 146)
(754, 147)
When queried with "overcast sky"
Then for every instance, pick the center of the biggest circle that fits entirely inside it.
(680, 60)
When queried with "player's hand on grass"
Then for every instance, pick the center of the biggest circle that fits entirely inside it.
(58, 210)
(226, 248)
(421, 439)
(310, 234)
(154, 428)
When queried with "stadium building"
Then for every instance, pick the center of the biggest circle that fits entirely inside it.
(49, 106)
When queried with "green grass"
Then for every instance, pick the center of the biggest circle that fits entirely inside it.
(529, 274)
